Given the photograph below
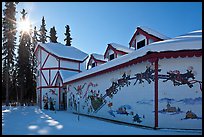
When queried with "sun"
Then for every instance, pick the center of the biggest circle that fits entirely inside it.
(24, 26)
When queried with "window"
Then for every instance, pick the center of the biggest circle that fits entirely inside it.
(93, 64)
(141, 44)
(111, 57)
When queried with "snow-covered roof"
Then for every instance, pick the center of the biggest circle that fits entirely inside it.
(63, 51)
(99, 57)
(121, 48)
(66, 73)
(153, 32)
(192, 42)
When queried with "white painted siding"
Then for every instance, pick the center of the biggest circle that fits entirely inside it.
(69, 64)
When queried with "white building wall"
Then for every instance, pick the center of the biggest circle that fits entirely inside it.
(69, 64)
(139, 97)
(51, 62)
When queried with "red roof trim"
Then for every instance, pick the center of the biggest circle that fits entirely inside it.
(60, 68)
(149, 57)
(116, 51)
(48, 87)
(147, 35)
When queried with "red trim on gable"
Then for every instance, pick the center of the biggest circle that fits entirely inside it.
(147, 35)
(96, 60)
(54, 78)
(109, 47)
(58, 63)
(59, 97)
(116, 51)
(49, 76)
(56, 68)
(120, 52)
(44, 77)
(146, 57)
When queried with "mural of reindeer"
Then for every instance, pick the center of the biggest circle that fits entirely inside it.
(147, 75)
(124, 81)
(180, 79)
(112, 90)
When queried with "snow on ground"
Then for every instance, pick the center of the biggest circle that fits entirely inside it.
(30, 120)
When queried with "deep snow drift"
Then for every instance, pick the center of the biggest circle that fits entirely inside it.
(30, 120)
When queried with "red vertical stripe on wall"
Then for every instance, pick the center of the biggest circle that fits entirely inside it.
(40, 79)
(156, 93)
(40, 98)
(59, 97)
(49, 76)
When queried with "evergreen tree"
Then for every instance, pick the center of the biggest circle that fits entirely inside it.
(53, 37)
(68, 36)
(24, 63)
(34, 63)
(9, 43)
(43, 37)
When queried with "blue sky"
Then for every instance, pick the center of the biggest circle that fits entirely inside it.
(95, 24)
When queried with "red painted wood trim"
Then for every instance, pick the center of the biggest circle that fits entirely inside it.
(91, 57)
(96, 60)
(114, 50)
(56, 68)
(54, 78)
(156, 94)
(59, 96)
(147, 41)
(44, 78)
(58, 63)
(109, 46)
(146, 57)
(48, 87)
(49, 77)
(40, 68)
(45, 60)
(147, 35)
(121, 52)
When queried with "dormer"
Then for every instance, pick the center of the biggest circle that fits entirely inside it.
(116, 50)
(95, 60)
(144, 36)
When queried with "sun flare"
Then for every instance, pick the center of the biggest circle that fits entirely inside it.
(24, 26)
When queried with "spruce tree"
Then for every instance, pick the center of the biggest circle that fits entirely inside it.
(53, 37)
(34, 62)
(43, 37)
(9, 43)
(68, 36)
(24, 63)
